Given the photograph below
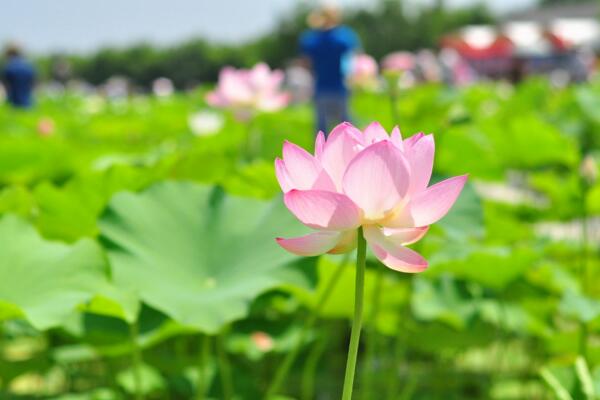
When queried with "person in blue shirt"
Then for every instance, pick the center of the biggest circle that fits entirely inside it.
(329, 46)
(18, 78)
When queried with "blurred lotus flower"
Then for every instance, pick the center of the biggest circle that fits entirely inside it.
(398, 70)
(364, 72)
(262, 341)
(429, 65)
(205, 123)
(398, 62)
(163, 87)
(245, 91)
(589, 170)
(367, 179)
(46, 127)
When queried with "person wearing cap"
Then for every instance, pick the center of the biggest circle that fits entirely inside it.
(328, 45)
(18, 78)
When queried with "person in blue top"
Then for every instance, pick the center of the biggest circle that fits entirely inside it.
(329, 46)
(18, 78)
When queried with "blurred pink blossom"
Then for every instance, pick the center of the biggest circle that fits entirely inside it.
(246, 90)
(364, 72)
(368, 179)
(399, 61)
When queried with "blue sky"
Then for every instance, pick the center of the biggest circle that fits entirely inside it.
(84, 25)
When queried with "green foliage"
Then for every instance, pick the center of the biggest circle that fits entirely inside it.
(124, 219)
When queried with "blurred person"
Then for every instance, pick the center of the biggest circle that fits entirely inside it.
(329, 46)
(18, 77)
(61, 69)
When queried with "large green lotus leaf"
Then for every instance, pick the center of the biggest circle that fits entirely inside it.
(440, 300)
(464, 148)
(70, 212)
(588, 101)
(24, 159)
(511, 317)
(583, 308)
(196, 254)
(16, 199)
(45, 281)
(514, 138)
(493, 267)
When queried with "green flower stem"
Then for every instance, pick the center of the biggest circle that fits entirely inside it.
(284, 370)
(358, 315)
(584, 277)
(372, 339)
(1, 353)
(204, 350)
(224, 368)
(136, 359)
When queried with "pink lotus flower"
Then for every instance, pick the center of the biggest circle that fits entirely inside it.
(364, 71)
(399, 61)
(246, 90)
(366, 179)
